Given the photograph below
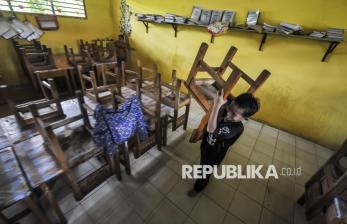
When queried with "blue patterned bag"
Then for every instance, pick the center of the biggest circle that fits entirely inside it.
(113, 128)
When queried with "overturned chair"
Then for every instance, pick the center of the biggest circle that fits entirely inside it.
(205, 92)
(48, 108)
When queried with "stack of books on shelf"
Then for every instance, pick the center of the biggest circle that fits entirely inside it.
(180, 19)
(169, 18)
(335, 33)
(269, 28)
(289, 28)
(318, 34)
(149, 17)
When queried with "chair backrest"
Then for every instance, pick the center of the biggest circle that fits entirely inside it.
(199, 65)
(216, 73)
(153, 93)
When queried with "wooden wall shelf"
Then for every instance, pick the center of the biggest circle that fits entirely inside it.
(332, 41)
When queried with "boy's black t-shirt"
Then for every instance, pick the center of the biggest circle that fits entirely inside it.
(224, 136)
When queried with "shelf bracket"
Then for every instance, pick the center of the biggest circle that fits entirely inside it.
(330, 49)
(263, 40)
(212, 39)
(146, 25)
(174, 26)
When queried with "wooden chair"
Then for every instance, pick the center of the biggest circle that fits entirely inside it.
(55, 73)
(174, 98)
(75, 59)
(74, 146)
(171, 94)
(14, 188)
(98, 93)
(216, 73)
(40, 168)
(49, 108)
(326, 191)
(151, 106)
(36, 60)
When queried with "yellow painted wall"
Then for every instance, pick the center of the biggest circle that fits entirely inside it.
(303, 96)
(99, 24)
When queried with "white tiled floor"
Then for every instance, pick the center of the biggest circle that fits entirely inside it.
(156, 193)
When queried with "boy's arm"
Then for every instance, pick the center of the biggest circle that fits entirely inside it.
(217, 104)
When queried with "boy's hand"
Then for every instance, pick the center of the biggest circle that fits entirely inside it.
(219, 99)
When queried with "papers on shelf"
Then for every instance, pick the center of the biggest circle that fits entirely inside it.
(335, 33)
(269, 28)
(318, 34)
(294, 27)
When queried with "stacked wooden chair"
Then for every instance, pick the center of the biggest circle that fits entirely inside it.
(171, 94)
(326, 191)
(203, 93)
(94, 92)
(70, 141)
(34, 57)
(152, 108)
(49, 108)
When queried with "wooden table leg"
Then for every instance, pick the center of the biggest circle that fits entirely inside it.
(36, 210)
(67, 78)
(126, 158)
(165, 127)
(73, 78)
(49, 196)
(3, 219)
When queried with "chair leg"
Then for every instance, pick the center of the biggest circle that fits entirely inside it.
(74, 185)
(114, 162)
(301, 200)
(126, 158)
(3, 219)
(164, 128)
(186, 117)
(174, 120)
(36, 210)
(159, 134)
(49, 196)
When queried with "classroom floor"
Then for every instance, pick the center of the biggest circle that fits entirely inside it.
(156, 193)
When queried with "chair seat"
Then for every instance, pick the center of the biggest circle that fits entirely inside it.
(78, 145)
(146, 100)
(42, 112)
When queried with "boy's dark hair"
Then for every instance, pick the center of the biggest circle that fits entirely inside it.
(248, 103)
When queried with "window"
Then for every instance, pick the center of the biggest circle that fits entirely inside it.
(72, 8)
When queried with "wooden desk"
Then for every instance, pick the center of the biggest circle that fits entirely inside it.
(14, 134)
(39, 167)
(13, 187)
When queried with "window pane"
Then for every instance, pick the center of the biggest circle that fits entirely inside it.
(32, 6)
(69, 8)
(4, 5)
(74, 8)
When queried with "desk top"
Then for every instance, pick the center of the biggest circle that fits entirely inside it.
(13, 187)
(15, 134)
(38, 164)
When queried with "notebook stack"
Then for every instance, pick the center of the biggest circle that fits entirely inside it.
(335, 33)
(269, 28)
(289, 28)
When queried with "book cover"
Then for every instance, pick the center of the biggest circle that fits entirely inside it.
(205, 17)
(228, 17)
(216, 16)
(196, 13)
